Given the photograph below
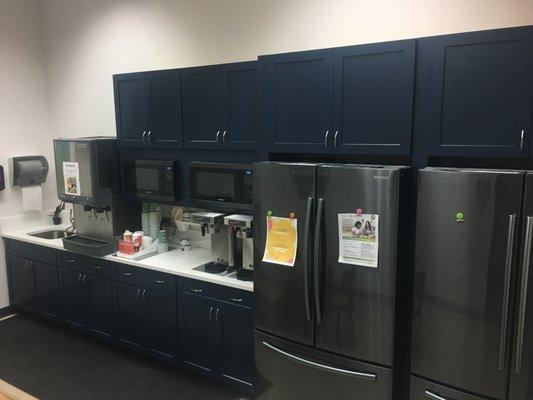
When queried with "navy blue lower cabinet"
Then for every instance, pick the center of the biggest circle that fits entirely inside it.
(161, 326)
(236, 341)
(99, 306)
(198, 336)
(72, 298)
(128, 311)
(21, 282)
(47, 294)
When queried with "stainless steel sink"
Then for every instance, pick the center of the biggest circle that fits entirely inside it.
(53, 234)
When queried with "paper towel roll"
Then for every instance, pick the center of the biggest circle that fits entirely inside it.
(32, 198)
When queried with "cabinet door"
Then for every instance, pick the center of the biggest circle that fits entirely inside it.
(48, 296)
(202, 107)
(373, 106)
(198, 334)
(161, 323)
(164, 109)
(128, 314)
(481, 94)
(21, 282)
(99, 312)
(130, 109)
(240, 105)
(236, 343)
(73, 298)
(299, 101)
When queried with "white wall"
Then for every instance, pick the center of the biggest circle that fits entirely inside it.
(24, 123)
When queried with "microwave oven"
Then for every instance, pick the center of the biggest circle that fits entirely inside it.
(221, 185)
(151, 180)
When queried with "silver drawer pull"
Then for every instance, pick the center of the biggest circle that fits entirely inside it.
(159, 282)
(127, 274)
(97, 267)
(236, 299)
(197, 290)
(69, 260)
(433, 396)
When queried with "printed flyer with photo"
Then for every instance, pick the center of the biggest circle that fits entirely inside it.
(71, 175)
(359, 239)
(281, 240)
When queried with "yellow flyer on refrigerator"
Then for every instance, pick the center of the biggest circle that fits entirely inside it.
(281, 240)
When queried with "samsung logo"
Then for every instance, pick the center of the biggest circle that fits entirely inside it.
(381, 177)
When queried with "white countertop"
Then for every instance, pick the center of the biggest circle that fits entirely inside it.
(175, 262)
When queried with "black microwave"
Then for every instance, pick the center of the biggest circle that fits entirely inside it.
(151, 180)
(223, 185)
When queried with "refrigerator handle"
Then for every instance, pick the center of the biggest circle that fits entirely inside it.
(506, 291)
(323, 367)
(519, 342)
(317, 259)
(306, 256)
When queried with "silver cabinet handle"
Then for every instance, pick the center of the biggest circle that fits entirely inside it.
(217, 314)
(30, 263)
(335, 138)
(149, 136)
(84, 279)
(127, 274)
(26, 265)
(79, 278)
(522, 302)
(340, 371)
(143, 295)
(326, 135)
(506, 291)
(433, 396)
(218, 134)
(144, 137)
(224, 138)
(522, 132)
(197, 290)
(211, 313)
(236, 300)
(97, 267)
(159, 282)
(138, 293)
(69, 260)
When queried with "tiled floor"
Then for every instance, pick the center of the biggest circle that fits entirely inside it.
(54, 363)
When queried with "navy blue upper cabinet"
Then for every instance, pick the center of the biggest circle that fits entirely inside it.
(298, 101)
(220, 106)
(240, 105)
(148, 109)
(482, 90)
(202, 107)
(373, 103)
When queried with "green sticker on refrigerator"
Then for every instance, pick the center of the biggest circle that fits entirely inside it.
(459, 217)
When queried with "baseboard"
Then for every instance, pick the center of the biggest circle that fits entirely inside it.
(4, 312)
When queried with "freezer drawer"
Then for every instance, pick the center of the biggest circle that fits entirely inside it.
(424, 390)
(289, 371)
(465, 259)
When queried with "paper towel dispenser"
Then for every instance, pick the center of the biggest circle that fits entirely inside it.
(27, 170)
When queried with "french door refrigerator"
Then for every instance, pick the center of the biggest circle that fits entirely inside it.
(326, 329)
(472, 318)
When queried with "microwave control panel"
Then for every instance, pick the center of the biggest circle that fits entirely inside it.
(248, 185)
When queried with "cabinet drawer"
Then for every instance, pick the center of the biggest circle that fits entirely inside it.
(32, 251)
(217, 292)
(82, 263)
(424, 390)
(143, 277)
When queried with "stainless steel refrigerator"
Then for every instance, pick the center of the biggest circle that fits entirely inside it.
(472, 318)
(327, 329)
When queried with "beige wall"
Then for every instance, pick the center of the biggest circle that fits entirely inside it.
(88, 41)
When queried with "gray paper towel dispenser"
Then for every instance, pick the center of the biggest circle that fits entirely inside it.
(27, 170)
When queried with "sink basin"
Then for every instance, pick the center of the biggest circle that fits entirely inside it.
(53, 234)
